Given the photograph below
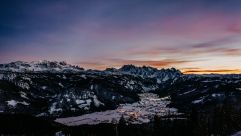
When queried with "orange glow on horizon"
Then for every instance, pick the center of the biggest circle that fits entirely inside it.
(213, 71)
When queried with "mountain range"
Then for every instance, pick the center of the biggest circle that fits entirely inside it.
(56, 89)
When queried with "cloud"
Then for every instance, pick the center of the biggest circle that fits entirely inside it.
(154, 63)
(206, 23)
(92, 65)
(153, 51)
(235, 28)
(232, 52)
(218, 47)
(215, 43)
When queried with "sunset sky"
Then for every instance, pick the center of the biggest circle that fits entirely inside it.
(196, 36)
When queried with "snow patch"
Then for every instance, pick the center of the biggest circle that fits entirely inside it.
(188, 92)
(217, 95)
(97, 103)
(79, 101)
(28, 79)
(44, 87)
(53, 108)
(91, 87)
(88, 101)
(83, 76)
(197, 101)
(23, 85)
(60, 84)
(14, 103)
(159, 81)
(165, 78)
(113, 97)
(24, 103)
(23, 95)
(237, 134)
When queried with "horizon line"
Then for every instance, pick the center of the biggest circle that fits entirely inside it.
(197, 71)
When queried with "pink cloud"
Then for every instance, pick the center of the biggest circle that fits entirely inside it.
(205, 24)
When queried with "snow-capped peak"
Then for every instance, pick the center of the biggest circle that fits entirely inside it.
(39, 66)
(150, 72)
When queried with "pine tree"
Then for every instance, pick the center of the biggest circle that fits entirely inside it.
(122, 121)
(157, 125)
(122, 126)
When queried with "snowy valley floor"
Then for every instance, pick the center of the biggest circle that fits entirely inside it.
(136, 113)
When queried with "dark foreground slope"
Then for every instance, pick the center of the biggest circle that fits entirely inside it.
(193, 125)
(23, 124)
(20, 124)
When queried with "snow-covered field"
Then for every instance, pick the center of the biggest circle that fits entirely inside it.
(136, 113)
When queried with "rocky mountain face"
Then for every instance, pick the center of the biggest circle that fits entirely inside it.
(149, 72)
